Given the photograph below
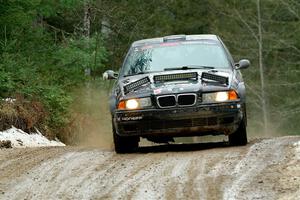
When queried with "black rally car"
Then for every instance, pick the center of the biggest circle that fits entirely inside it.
(177, 86)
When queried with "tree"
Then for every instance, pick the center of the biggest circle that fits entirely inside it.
(263, 27)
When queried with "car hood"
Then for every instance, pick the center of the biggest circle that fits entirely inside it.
(152, 87)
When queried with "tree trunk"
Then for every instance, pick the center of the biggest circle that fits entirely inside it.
(86, 33)
(261, 69)
(87, 18)
(87, 28)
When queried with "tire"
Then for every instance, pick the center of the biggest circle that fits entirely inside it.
(239, 137)
(125, 144)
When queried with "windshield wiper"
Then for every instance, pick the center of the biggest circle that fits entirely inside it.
(189, 67)
(136, 74)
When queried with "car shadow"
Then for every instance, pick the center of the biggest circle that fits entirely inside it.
(182, 147)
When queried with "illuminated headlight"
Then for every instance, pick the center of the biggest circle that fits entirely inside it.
(222, 96)
(219, 96)
(133, 104)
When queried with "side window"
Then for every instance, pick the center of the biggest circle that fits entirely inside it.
(230, 58)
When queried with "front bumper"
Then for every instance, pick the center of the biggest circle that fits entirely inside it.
(209, 119)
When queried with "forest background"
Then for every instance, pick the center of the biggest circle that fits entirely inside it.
(53, 54)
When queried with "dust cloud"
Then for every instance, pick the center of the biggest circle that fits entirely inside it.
(255, 129)
(91, 120)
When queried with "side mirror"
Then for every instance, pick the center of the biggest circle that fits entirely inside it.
(109, 75)
(242, 64)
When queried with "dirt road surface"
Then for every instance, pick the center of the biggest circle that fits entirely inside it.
(264, 169)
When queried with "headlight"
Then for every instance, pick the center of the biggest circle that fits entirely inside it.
(222, 96)
(219, 96)
(133, 104)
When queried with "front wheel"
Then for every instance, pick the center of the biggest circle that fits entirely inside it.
(125, 144)
(239, 137)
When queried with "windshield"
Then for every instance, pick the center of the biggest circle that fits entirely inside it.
(160, 57)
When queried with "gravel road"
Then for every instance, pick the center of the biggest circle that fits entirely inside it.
(264, 169)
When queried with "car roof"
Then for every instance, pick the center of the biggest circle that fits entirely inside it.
(177, 37)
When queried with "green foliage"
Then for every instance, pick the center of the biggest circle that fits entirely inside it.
(6, 84)
(57, 102)
(37, 64)
(82, 53)
(50, 8)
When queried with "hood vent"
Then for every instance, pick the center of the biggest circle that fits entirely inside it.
(176, 77)
(134, 85)
(214, 77)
